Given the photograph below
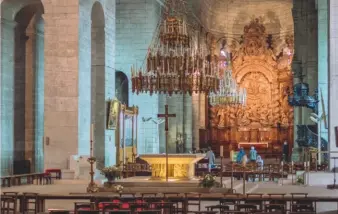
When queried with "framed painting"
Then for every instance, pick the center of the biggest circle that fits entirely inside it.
(113, 114)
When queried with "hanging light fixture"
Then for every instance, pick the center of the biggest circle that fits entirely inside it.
(229, 93)
(174, 64)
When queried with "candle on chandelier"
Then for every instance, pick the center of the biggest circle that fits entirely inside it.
(221, 151)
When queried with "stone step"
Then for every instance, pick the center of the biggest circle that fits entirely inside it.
(68, 174)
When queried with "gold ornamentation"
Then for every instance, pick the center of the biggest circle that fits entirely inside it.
(265, 72)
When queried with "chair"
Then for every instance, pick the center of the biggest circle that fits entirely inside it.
(110, 206)
(119, 212)
(30, 198)
(299, 205)
(59, 212)
(148, 212)
(8, 204)
(138, 206)
(194, 202)
(165, 207)
(88, 212)
(83, 206)
(275, 203)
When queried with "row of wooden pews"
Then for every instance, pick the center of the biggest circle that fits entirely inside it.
(166, 203)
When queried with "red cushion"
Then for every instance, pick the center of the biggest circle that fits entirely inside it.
(53, 170)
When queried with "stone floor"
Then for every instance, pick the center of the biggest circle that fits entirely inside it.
(79, 187)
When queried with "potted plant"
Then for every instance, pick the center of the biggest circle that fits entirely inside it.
(118, 188)
(300, 180)
(208, 181)
(111, 173)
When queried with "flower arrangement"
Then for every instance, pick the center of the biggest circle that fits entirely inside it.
(111, 172)
(118, 188)
(208, 181)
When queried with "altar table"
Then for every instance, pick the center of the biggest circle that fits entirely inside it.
(181, 166)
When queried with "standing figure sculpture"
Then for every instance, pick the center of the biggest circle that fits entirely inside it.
(180, 144)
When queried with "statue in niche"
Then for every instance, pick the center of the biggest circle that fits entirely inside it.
(180, 143)
(221, 115)
(243, 117)
(284, 120)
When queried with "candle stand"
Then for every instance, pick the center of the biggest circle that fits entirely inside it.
(221, 171)
(92, 187)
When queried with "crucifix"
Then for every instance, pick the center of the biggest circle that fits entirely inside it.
(166, 116)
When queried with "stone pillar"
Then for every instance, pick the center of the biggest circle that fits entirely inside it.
(19, 91)
(29, 91)
(39, 94)
(188, 122)
(61, 82)
(305, 57)
(333, 76)
(7, 96)
(322, 8)
(98, 109)
(195, 100)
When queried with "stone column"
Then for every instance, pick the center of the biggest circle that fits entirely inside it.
(7, 96)
(61, 82)
(39, 94)
(322, 8)
(195, 100)
(333, 76)
(188, 122)
(29, 91)
(305, 58)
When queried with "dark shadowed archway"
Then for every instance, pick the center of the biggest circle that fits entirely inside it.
(28, 88)
(121, 87)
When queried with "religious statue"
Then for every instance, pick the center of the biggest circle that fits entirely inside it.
(180, 143)
(113, 114)
(221, 115)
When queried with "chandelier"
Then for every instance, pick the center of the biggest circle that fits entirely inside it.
(229, 93)
(173, 63)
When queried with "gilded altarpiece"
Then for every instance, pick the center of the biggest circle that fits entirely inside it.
(262, 65)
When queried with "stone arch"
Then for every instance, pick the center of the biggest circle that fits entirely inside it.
(23, 66)
(121, 87)
(98, 80)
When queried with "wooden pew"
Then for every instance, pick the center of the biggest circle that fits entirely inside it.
(17, 180)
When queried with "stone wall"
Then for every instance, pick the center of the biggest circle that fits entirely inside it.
(136, 22)
(333, 75)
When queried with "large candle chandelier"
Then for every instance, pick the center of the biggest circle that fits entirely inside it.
(229, 93)
(174, 64)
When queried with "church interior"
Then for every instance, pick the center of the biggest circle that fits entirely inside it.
(230, 105)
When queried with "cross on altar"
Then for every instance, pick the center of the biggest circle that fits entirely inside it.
(166, 116)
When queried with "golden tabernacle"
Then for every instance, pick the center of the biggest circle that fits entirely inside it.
(181, 166)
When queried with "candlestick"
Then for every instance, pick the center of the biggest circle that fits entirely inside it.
(91, 139)
(221, 151)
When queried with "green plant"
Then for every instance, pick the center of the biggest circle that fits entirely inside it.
(111, 172)
(300, 180)
(208, 181)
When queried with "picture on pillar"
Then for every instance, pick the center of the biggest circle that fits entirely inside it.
(113, 109)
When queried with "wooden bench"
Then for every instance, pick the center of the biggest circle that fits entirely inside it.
(17, 180)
